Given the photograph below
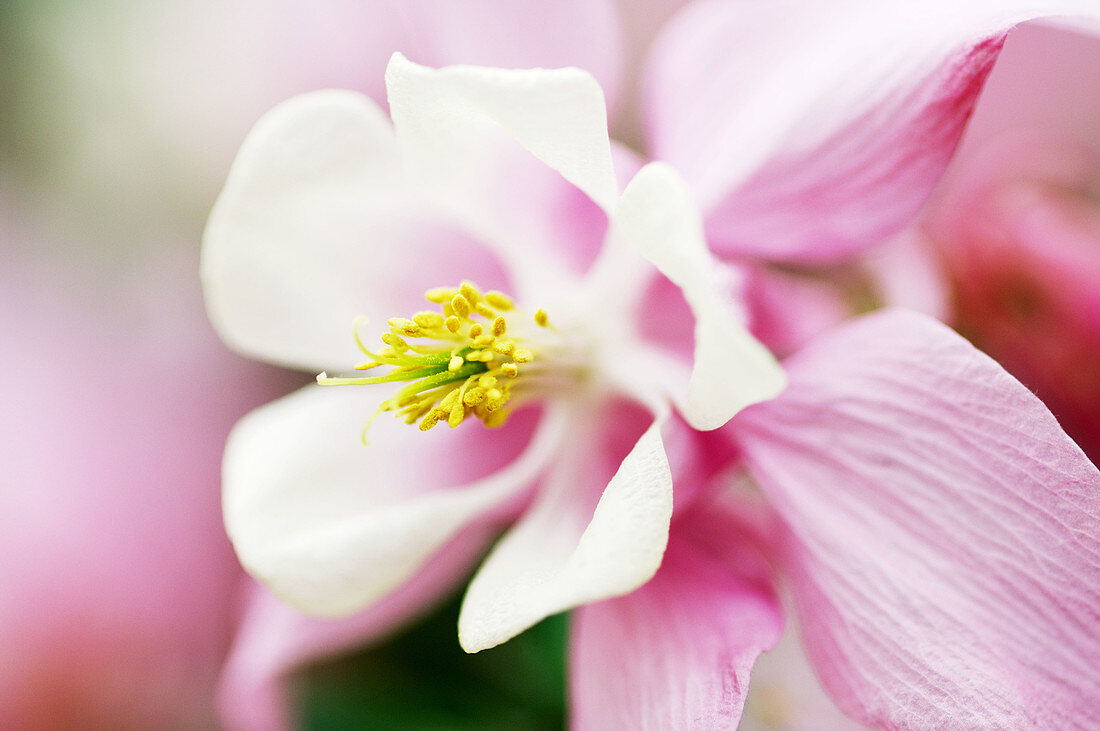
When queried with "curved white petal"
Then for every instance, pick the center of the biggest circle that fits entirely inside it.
(315, 227)
(732, 370)
(485, 140)
(561, 554)
(330, 524)
(558, 115)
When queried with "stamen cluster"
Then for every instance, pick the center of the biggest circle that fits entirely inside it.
(468, 364)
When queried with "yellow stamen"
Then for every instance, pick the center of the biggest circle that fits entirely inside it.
(459, 368)
(460, 305)
(439, 295)
(429, 320)
(470, 292)
(499, 300)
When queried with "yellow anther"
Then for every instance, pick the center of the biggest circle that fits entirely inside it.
(439, 295)
(428, 319)
(480, 356)
(499, 300)
(401, 326)
(460, 305)
(496, 418)
(449, 400)
(458, 413)
(458, 367)
(482, 341)
(470, 292)
(494, 399)
(395, 341)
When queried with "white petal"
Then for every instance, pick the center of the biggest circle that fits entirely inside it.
(315, 227)
(557, 558)
(557, 114)
(331, 525)
(485, 140)
(732, 370)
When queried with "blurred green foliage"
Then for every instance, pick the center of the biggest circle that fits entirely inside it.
(421, 679)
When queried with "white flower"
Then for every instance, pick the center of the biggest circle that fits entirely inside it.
(331, 213)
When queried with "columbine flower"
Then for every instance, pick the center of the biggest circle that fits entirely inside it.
(330, 213)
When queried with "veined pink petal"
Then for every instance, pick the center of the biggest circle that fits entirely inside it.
(331, 525)
(579, 542)
(944, 531)
(677, 652)
(274, 639)
(315, 228)
(811, 131)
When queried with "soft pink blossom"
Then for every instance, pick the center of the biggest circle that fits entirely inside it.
(119, 589)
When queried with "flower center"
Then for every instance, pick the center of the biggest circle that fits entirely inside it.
(473, 357)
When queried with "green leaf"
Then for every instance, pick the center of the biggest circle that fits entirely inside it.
(421, 679)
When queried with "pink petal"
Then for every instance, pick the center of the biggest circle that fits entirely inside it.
(1020, 234)
(677, 652)
(944, 531)
(117, 583)
(811, 131)
(788, 309)
(1046, 80)
(274, 640)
